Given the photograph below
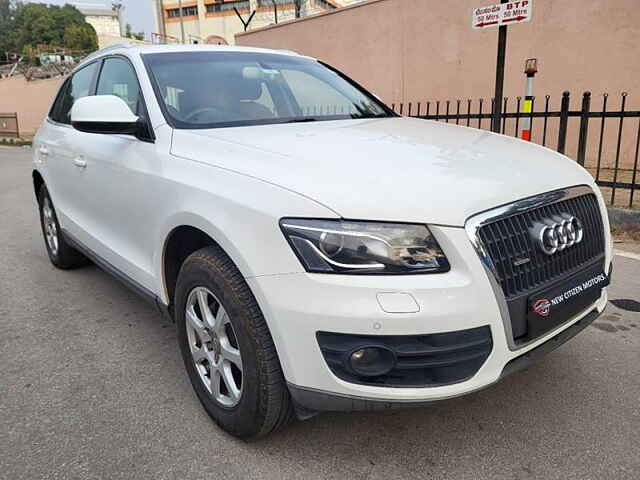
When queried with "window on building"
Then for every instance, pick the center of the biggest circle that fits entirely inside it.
(118, 78)
(76, 87)
(229, 5)
(269, 3)
(186, 12)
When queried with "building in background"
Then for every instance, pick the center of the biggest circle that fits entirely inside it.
(105, 21)
(216, 21)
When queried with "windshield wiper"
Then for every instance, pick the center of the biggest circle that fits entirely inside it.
(300, 120)
(371, 115)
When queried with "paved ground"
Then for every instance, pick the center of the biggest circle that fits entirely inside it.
(92, 386)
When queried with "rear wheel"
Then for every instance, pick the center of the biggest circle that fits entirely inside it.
(61, 254)
(227, 349)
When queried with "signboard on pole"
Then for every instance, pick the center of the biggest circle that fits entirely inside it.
(502, 14)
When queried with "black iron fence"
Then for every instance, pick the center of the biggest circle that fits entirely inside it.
(609, 151)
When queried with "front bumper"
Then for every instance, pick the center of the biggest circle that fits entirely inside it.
(299, 305)
(312, 400)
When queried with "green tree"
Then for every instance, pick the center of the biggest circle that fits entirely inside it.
(7, 21)
(25, 26)
(80, 37)
(127, 31)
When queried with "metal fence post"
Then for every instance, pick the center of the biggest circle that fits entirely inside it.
(564, 117)
(584, 127)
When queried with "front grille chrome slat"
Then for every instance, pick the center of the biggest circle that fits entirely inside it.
(508, 239)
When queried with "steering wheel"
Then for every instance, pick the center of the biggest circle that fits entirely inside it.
(215, 111)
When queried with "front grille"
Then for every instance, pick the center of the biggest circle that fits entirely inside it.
(508, 240)
(421, 360)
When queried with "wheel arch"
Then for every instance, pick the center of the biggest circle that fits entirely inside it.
(181, 240)
(38, 182)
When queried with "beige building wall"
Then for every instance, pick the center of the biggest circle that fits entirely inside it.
(104, 24)
(31, 100)
(410, 50)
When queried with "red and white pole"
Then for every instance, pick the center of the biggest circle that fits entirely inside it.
(530, 69)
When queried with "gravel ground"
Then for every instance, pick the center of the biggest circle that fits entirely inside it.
(92, 386)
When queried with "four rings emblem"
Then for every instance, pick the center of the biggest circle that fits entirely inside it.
(554, 234)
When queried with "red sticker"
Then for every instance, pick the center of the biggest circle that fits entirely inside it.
(542, 307)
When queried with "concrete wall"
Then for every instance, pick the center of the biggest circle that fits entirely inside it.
(411, 50)
(31, 100)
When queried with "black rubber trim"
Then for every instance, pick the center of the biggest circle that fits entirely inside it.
(313, 401)
(310, 401)
(129, 282)
(524, 361)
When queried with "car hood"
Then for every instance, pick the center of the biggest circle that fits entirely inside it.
(394, 169)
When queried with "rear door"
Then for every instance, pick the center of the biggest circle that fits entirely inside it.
(57, 151)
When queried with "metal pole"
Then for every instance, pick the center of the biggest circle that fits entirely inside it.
(275, 10)
(160, 15)
(502, 48)
(584, 127)
(530, 69)
(564, 118)
(181, 20)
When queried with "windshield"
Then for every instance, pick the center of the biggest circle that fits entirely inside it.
(224, 89)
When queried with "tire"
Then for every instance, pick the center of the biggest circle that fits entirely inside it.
(261, 404)
(61, 254)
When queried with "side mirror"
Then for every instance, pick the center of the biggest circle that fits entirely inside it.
(106, 114)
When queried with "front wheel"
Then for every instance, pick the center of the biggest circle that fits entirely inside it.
(227, 349)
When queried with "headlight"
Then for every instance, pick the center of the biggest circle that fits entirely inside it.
(338, 246)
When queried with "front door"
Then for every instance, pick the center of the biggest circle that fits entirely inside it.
(119, 183)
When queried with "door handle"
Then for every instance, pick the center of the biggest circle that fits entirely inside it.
(43, 151)
(80, 162)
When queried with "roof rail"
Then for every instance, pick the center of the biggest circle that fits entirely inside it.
(107, 49)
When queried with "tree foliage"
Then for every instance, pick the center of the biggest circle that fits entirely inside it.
(129, 33)
(23, 26)
(80, 37)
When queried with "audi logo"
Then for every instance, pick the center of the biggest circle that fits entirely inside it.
(557, 233)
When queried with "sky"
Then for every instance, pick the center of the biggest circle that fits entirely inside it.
(139, 13)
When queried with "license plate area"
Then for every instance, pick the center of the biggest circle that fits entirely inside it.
(551, 307)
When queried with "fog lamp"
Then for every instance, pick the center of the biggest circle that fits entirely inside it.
(372, 361)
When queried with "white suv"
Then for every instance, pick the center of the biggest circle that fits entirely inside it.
(317, 251)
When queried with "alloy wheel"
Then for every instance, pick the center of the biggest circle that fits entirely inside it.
(50, 227)
(214, 346)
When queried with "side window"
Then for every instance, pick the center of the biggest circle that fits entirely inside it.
(78, 86)
(118, 78)
(55, 108)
